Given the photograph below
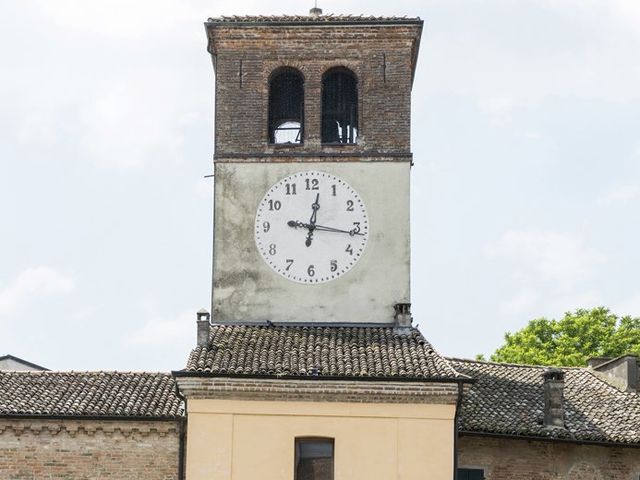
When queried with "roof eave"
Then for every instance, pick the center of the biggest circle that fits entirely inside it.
(297, 23)
(185, 373)
(130, 418)
(473, 433)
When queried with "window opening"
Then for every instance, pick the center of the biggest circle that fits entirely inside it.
(314, 459)
(470, 474)
(339, 107)
(286, 107)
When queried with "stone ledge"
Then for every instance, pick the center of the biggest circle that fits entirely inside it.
(73, 427)
(316, 390)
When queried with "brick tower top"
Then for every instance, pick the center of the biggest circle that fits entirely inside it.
(317, 87)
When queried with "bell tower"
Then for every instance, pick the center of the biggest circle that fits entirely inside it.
(312, 163)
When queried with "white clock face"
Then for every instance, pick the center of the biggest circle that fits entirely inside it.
(311, 227)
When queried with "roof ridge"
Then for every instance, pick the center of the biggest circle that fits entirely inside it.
(599, 376)
(83, 372)
(506, 364)
(297, 18)
(335, 325)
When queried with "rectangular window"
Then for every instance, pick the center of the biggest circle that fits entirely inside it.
(314, 459)
(470, 474)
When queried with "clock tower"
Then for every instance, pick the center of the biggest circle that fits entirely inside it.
(312, 163)
(311, 369)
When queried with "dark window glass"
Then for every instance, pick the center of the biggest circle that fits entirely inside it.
(286, 106)
(470, 474)
(339, 107)
(314, 459)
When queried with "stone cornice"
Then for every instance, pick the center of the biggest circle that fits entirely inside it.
(310, 390)
(74, 427)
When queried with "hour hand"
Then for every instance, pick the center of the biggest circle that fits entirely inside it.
(311, 227)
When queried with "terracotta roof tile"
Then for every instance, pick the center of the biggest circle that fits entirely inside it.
(509, 399)
(239, 19)
(366, 352)
(89, 393)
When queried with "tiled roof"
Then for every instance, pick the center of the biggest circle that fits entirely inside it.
(89, 394)
(509, 399)
(337, 352)
(296, 19)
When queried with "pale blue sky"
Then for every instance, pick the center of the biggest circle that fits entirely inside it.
(525, 189)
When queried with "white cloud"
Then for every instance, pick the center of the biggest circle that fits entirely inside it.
(33, 283)
(625, 13)
(203, 188)
(522, 302)
(564, 303)
(119, 18)
(620, 194)
(499, 109)
(533, 135)
(562, 258)
(164, 331)
(580, 48)
(126, 125)
(629, 306)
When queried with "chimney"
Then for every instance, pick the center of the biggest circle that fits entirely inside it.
(622, 372)
(402, 318)
(553, 401)
(204, 327)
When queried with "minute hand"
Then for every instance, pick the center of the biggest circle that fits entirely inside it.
(327, 229)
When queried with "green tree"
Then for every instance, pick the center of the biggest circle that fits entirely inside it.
(571, 340)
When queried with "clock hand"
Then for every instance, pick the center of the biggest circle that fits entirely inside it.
(322, 228)
(315, 206)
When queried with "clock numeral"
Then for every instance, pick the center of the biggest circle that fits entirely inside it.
(272, 249)
(333, 189)
(349, 205)
(277, 205)
(334, 265)
(349, 250)
(311, 270)
(290, 188)
(266, 226)
(356, 227)
(289, 263)
(312, 184)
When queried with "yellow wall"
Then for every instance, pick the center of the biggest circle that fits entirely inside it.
(250, 440)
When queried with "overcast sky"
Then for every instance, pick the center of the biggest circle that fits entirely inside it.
(525, 189)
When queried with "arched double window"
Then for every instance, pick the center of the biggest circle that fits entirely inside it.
(339, 106)
(286, 106)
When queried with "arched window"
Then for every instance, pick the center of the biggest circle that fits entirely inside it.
(339, 106)
(286, 106)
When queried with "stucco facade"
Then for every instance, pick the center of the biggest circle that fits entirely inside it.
(244, 439)
(245, 289)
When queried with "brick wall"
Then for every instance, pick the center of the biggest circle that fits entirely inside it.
(314, 391)
(246, 56)
(86, 449)
(508, 459)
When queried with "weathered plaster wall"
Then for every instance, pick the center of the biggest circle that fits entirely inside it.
(245, 440)
(507, 459)
(88, 449)
(245, 288)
